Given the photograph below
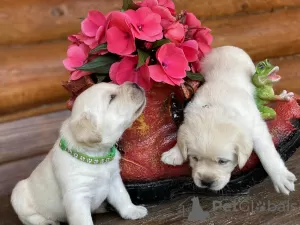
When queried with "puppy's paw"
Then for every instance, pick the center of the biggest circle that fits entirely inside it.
(172, 157)
(283, 181)
(134, 212)
(287, 96)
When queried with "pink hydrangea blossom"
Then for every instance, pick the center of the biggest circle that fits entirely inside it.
(175, 32)
(125, 70)
(172, 65)
(76, 57)
(120, 37)
(146, 24)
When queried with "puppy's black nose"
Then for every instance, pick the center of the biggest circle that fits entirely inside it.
(206, 183)
(136, 86)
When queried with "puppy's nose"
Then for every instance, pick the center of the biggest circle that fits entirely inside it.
(206, 183)
(135, 86)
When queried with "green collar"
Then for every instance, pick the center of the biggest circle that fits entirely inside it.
(85, 158)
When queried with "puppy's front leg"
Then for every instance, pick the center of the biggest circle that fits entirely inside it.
(78, 209)
(173, 156)
(120, 199)
(282, 178)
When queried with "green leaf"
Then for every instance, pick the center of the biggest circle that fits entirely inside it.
(195, 76)
(129, 4)
(98, 48)
(142, 58)
(160, 43)
(100, 64)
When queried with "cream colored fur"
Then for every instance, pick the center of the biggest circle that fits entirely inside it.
(222, 125)
(62, 188)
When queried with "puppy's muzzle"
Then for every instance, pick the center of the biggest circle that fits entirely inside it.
(207, 183)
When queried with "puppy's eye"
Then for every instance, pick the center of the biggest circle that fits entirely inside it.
(195, 158)
(112, 97)
(223, 161)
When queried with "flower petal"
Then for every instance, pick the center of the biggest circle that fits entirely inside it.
(119, 42)
(159, 75)
(190, 49)
(78, 74)
(89, 28)
(113, 71)
(97, 17)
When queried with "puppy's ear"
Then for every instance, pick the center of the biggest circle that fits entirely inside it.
(181, 143)
(243, 148)
(84, 129)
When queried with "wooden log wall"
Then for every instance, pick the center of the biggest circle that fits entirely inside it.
(33, 43)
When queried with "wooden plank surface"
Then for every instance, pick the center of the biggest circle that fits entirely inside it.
(29, 137)
(214, 9)
(171, 212)
(273, 34)
(42, 20)
(32, 80)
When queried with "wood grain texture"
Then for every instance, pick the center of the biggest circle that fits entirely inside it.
(290, 72)
(31, 76)
(273, 34)
(40, 20)
(176, 211)
(29, 137)
(214, 9)
(44, 109)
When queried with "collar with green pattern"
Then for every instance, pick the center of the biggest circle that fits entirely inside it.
(85, 158)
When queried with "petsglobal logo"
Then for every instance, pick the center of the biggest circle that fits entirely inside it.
(197, 214)
(253, 206)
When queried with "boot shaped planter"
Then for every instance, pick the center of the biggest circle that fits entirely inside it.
(148, 180)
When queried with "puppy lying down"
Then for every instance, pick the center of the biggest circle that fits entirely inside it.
(73, 180)
(222, 125)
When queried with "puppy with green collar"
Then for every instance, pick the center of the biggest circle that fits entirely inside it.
(82, 170)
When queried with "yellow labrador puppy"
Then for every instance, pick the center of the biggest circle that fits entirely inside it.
(82, 169)
(222, 125)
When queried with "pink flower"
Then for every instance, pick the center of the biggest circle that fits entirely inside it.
(165, 8)
(120, 37)
(125, 70)
(168, 4)
(192, 21)
(76, 57)
(204, 40)
(93, 27)
(192, 24)
(81, 38)
(172, 65)
(146, 24)
(190, 49)
(175, 32)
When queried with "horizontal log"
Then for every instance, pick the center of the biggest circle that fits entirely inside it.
(289, 69)
(31, 83)
(41, 20)
(29, 137)
(44, 109)
(264, 35)
(214, 9)
(31, 76)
